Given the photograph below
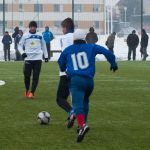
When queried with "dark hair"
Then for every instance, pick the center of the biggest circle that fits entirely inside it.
(91, 29)
(33, 24)
(133, 32)
(16, 29)
(114, 33)
(143, 31)
(68, 24)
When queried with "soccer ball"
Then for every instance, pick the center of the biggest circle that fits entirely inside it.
(43, 117)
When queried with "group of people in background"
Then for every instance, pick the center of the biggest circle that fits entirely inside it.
(133, 42)
(17, 35)
(91, 38)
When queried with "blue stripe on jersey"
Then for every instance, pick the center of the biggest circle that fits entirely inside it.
(34, 37)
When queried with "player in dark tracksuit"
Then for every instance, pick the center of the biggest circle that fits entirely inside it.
(32, 46)
(63, 87)
(79, 61)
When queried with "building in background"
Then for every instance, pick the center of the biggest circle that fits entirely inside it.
(146, 7)
(52, 12)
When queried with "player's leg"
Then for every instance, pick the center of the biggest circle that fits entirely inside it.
(63, 93)
(27, 75)
(62, 96)
(88, 93)
(36, 73)
(78, 92)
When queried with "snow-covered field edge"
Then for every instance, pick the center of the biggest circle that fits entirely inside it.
(121, 49)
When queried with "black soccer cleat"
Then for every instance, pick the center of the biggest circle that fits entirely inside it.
(82, 133)
(78, 129)
(71, 120)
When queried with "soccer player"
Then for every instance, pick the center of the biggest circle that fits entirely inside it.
(63, 87)
(32, 46)
(79, 61)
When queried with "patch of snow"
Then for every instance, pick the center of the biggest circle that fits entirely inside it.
(120, 49)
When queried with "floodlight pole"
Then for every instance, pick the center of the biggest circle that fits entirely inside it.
(38, 14)
(73, 10)
(105, 17)
(125, 16)
(12, 15)
(3, 17)
(141, 15)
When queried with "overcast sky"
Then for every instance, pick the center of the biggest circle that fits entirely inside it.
(109, 1)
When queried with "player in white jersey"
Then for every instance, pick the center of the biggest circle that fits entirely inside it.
(32, 46)
(63, 88)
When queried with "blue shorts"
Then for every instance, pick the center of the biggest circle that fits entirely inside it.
(81, 88)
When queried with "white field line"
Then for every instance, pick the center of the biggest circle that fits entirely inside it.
(105, 80)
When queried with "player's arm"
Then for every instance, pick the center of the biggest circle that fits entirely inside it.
(62, 61)
(109, 56)
(20, 47)
(44, 49)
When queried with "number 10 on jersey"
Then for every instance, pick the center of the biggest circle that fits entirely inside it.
(80, 61)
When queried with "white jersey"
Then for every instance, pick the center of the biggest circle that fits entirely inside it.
(33, 45)
(65, 41)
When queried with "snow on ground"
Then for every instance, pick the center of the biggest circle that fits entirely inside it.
(121, 49)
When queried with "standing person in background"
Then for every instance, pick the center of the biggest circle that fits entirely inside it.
(91, 37)
(132, 42)
(16, 32)
(144, 44)
(7, 41)
(66, 40)
(48, 37)
(32, 46)
(18, 38)
(110, 42)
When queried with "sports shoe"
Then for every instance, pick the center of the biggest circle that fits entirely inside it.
(30, 95)
(26, 94)
(71, 120)
(78, 129)
(82, 132)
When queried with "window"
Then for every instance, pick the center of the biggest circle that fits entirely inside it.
(38, 7)
(20, 8)
(76, 24)
(1, 7)
(97, 24)
(96, 8)
(21, 23)
(57, 24)
(78, 8)
(56, 8)
(40, 24)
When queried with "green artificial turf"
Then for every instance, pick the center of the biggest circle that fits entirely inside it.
(119, 115)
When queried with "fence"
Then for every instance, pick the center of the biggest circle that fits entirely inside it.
(51, 13)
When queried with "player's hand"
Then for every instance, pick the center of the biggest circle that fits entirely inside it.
(24, 55)
(46, 60)
(114, 68)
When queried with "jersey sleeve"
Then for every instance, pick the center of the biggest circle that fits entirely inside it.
(62, 61)
(109, 55)
(21, 45)
(44, 49)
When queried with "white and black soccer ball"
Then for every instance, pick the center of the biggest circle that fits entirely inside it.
(43, 117)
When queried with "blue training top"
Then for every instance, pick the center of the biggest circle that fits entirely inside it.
(79, 59)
